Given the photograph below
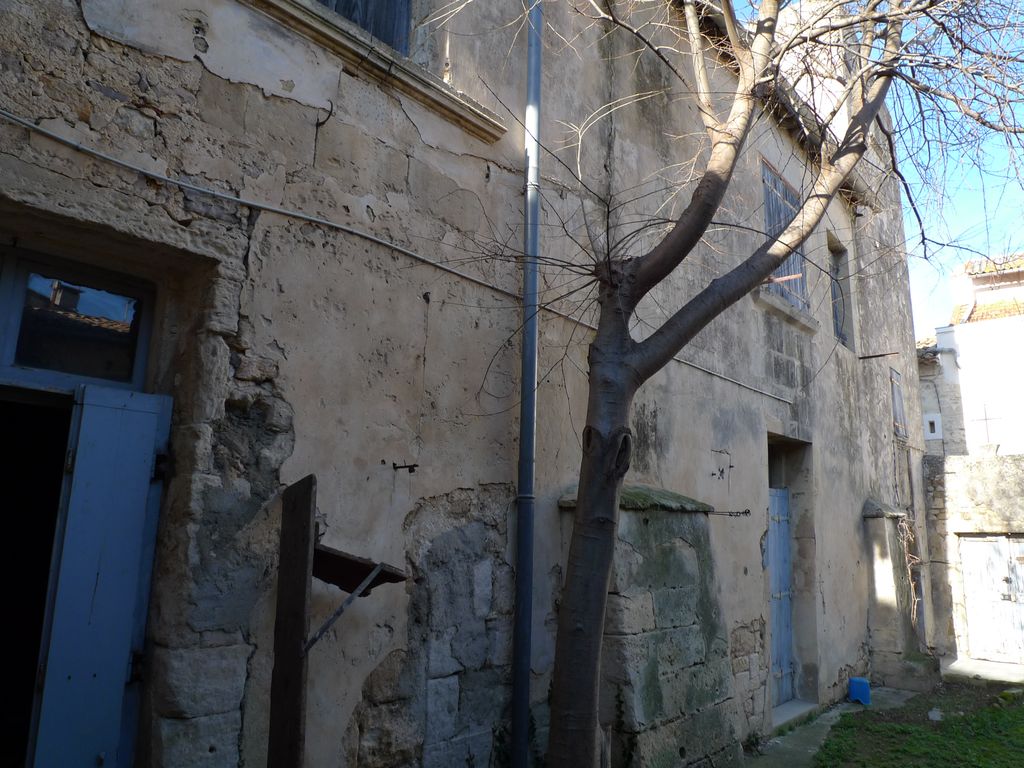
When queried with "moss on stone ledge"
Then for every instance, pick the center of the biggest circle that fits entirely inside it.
(641, 498)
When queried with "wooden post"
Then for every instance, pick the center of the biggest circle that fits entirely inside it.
(294, 575)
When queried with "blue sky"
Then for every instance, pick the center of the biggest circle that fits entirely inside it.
(979, 211)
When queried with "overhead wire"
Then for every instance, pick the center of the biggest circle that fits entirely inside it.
(318, 220)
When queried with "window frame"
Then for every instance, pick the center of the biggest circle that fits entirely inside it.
(403, 8)
(774, 189)
(842, 298)
(899, 410)
(16, 264)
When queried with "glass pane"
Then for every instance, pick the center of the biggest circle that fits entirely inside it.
(77, 329)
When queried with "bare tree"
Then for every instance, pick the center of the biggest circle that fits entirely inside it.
(952, 68)
(951, 72)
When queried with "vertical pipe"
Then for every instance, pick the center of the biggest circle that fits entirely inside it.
(522, 627)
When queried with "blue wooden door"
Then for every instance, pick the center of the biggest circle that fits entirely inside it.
(780, 581)
(99, 584)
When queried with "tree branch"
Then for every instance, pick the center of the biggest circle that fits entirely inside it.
(654, 352)
(726, 142)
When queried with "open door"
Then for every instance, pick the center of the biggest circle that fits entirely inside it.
(87, 705)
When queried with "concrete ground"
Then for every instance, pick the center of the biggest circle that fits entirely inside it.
(976, 669)
(796, 748)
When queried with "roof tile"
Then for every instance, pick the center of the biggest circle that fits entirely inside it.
(994, 310)
(1014, 263)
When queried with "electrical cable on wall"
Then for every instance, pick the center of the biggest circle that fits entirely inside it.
(289, 213)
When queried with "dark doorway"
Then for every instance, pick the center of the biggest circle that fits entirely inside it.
(32, 456)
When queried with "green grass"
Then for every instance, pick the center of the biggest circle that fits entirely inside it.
(977, 731)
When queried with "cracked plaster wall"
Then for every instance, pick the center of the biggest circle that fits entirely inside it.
(291, 348)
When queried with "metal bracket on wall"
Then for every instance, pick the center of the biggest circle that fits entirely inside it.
(301, 560)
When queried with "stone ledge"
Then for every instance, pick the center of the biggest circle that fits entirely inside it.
(645, 498)
(366, 57)
(789, 313)
(873, 510)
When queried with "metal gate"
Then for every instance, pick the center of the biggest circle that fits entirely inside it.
(780, 584)
(993, 572)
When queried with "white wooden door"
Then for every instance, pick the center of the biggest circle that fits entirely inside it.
(993, 575)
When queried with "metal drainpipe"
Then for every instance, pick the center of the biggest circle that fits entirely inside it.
(523, 622)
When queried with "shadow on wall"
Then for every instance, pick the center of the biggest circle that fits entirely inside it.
(941, 401)
(896, 657)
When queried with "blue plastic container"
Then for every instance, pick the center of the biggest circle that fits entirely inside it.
(860, 690)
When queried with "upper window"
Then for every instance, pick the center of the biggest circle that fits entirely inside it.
(780, 206)
(842, 306)
(387, 20)
(899, 418)
(60, 324)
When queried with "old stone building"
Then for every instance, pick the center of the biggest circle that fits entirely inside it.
(242, 241)
(974, 472)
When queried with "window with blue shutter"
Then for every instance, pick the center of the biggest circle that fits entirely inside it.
(387, 20)
(780, 206)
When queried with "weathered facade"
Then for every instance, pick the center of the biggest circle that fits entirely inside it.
(973, 427)
(312, 234)
(975, 547)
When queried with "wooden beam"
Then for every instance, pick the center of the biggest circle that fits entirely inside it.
(294, 576)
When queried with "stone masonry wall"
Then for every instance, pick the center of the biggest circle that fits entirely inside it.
(440, 701)
(291, 347)
(667, 680)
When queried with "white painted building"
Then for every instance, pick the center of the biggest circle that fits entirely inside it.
(973, 420)
(971, 372)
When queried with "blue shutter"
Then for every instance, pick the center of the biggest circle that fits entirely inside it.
(100, 579)
(781, 203)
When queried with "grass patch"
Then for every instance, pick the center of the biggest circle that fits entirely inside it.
(978, 730)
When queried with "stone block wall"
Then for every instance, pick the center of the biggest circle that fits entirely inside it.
(440, 701)
(292, 347)
(667, 674)
(750, 667)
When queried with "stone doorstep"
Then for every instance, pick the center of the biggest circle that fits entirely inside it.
(792, 710)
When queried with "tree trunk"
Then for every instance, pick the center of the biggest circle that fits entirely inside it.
(607, 447)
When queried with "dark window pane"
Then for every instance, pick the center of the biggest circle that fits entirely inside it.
(387, 20)
(77, 329)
